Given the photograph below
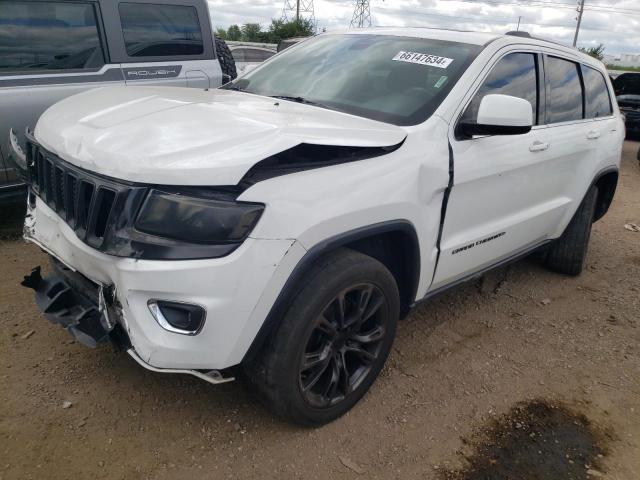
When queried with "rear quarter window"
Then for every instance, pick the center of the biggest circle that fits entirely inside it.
(160, 30)
(598, 102)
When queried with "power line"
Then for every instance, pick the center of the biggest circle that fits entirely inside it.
(550, 4)
(492, 20)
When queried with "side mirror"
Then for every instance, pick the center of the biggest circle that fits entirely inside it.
(500, 115)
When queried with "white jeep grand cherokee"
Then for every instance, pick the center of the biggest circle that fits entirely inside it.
(284, 223)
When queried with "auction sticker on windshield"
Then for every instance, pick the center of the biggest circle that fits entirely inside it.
(423, 59)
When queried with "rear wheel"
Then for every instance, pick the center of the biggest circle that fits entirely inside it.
(332, 342)
(227, 63)
(567, 254)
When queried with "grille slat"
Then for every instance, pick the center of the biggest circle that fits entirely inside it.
(39, 169)
(85, 197)
(46, 180)
(101, 212)
(59, 190)
(71, 190)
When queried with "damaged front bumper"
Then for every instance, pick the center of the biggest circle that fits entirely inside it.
(236, 292)
(81, 307)
(91, 314)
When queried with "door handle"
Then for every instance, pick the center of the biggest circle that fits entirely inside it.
(592, 135)
(538, 146)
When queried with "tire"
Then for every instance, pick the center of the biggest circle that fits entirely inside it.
(567, 254)
(341, 361)
(227, 63)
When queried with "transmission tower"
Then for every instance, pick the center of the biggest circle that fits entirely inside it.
(361, 15)
(298, 9)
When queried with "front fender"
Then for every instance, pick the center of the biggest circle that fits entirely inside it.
(16, 156)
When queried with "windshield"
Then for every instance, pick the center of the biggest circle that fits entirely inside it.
(398, 80)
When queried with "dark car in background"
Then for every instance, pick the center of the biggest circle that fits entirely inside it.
(627, 88)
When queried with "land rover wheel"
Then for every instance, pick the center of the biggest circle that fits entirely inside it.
(567, 254)
(332, 342)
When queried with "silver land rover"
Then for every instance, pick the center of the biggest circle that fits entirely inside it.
(50, 50)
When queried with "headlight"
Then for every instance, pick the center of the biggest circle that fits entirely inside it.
(197, 220)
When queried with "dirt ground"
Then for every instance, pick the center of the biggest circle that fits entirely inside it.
(460, 363)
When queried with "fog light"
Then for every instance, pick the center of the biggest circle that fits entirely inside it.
(177, 317)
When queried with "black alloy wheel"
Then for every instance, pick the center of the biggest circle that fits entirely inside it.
(343, 346)
(331, 341)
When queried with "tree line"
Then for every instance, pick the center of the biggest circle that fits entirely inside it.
(276, 31)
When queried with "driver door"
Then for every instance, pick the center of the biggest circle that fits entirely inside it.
(507, 189)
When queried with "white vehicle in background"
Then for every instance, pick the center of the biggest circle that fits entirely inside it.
(279, 227)
(248, 55)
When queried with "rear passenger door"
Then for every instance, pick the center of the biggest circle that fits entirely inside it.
(160, 43)
(599, 111)
(508, 190)
(577, 125)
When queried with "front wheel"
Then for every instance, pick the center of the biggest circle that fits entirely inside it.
(332, 342)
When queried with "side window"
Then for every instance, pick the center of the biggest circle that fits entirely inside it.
(598, 102)
(564, 90)
(36, 37)
(160, 30)
(516, 74)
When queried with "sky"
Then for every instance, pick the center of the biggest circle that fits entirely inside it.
(614, 23)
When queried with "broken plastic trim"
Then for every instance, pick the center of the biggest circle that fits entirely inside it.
(307, 156)
(69, 306)
(211, 376)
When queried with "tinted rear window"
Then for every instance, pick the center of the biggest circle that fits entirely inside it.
(564, 90)
(41, 36)
(598, 103)
(160, 30)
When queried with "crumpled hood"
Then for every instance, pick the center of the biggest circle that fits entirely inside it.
(182, 136)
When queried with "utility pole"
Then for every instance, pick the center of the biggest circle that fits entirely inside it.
(580, 11)
(518, 27)
(297, 10)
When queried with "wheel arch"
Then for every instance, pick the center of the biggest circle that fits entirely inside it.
(394, 243)
(606, 181)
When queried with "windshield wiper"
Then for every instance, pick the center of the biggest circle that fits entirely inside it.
(298, 99)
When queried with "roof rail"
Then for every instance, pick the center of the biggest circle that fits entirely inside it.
(519, 33)
(523, 34)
